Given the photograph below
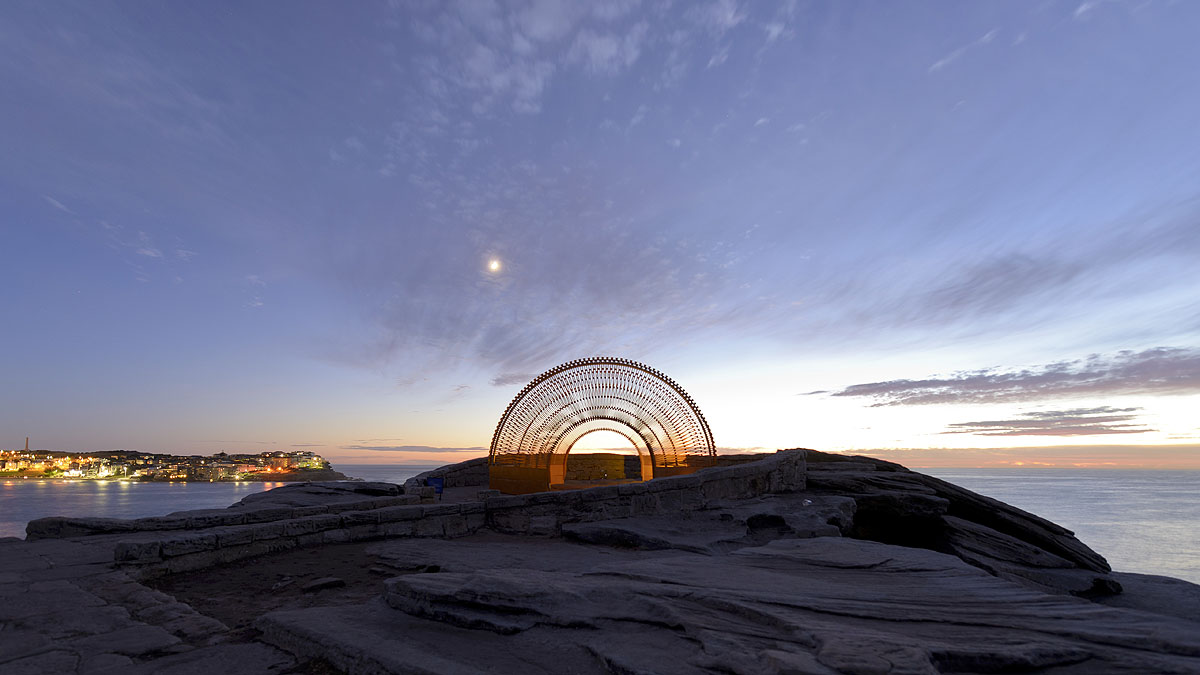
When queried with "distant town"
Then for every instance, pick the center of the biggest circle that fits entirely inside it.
(145, 466)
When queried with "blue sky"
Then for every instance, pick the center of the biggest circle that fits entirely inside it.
(266, 226)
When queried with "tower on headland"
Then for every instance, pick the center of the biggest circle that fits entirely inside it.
(26, 444)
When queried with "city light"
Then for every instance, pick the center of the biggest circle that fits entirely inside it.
(125, 465)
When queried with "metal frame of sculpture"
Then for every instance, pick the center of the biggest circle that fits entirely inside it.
(562, 405)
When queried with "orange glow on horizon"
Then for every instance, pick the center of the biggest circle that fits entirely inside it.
(1162, 457)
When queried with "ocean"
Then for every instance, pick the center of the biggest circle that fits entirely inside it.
(1140, 520)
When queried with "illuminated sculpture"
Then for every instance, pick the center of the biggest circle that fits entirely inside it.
(564, 404)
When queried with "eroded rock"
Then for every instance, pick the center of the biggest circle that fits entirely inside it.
(317, 494)
(817, 605)
(322, 584)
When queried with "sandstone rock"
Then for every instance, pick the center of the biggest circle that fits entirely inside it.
(131, 641)
(483, 551)
(54, 662)
(315, 494)
(817, 605)
(375, 639)
(734, 569)
(46, 598)
(57, 526)
(1157, 594)
(135, 551)
(219, 659)
(20, 642)
(102, 664)
(81, 622)
(322, 584)
(897, 506)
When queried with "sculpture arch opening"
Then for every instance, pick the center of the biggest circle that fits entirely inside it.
(605, 457)
(545, 421)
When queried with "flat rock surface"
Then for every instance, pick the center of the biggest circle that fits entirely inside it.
(504, 551)
(65, 608)
(724, 528)
(823, 605)
(1153, 593)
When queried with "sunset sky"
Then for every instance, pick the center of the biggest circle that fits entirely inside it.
(949, 234)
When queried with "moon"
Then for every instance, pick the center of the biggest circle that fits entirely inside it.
(493, 265)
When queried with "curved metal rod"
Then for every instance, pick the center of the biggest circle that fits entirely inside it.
(631, 394)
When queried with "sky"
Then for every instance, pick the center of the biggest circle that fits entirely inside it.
(951, 234)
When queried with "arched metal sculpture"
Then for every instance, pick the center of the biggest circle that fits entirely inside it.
(562, 405)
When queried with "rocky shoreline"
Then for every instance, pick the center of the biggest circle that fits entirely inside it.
(301, 476)
(797, 561)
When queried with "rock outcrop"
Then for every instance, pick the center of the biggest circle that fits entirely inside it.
(894, 505)
(318, 494)
(793, 562)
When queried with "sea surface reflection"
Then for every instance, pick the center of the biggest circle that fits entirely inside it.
(22, 500)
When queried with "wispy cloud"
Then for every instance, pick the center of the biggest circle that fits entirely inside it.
(957, 53)
(773, 30)
(350, 146)
(1159, 371)
(142, 254)
(608, 53)
(1099, 421)
(256, 286)
(509, 55)
(509, 379)
(719, 58)
(57, 204)
(995, 284)
(638, 116)
(717, 16)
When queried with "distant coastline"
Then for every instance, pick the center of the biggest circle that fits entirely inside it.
(299, 475)
(145, 467)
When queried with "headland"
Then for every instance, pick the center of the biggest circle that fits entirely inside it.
(274, 466)
(796, 561)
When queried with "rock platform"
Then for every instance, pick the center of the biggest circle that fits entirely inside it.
(797, 562)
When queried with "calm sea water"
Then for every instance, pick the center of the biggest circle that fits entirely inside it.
(1142, 521)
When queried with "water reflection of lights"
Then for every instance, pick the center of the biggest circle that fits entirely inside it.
(21, 502)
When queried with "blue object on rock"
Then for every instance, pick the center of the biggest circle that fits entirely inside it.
(437, 483)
